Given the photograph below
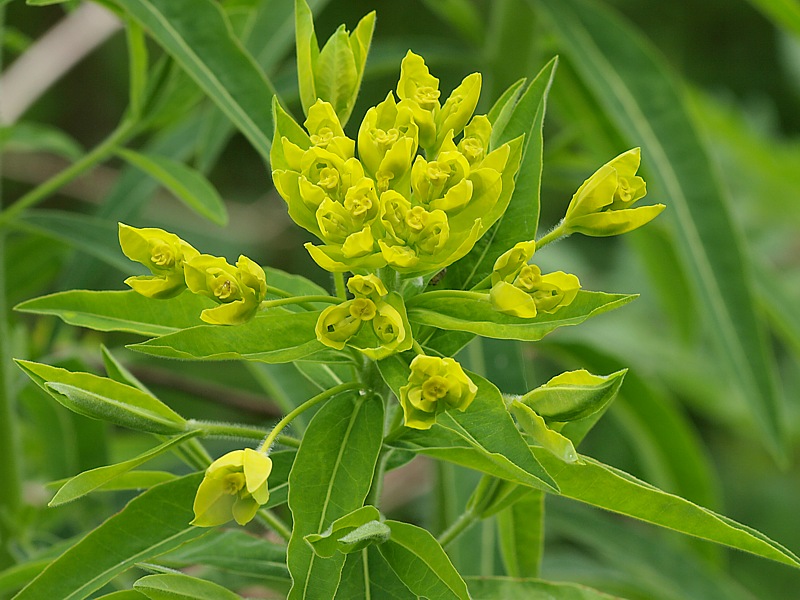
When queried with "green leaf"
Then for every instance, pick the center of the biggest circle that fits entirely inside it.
(118, 372)
(520, 221)
(188, 185)
(574, 395)
(133, 480)
(784, 13)
(137, 67)
(37, 137)
(483, 437)
(375, 579)
(330, 478)
(198, 36)
(421, 564)
(123, 595)
(272, 338)
(477, 316)
(350, 533)
(521, 535)
(88, 481)
(151, 524)
(234, 551)
(307, 53)
(636, 90)
(105, 399)
(490, 588)
(502, 109)
(601, 485)
(177, 586)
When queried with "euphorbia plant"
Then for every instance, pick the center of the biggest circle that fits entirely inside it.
(414, 218)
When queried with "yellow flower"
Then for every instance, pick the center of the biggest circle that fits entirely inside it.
(239, 290)
(434, 385)
(602, 205)
(163, 253)
(234, 487)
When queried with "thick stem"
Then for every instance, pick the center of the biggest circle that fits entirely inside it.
(459, 526)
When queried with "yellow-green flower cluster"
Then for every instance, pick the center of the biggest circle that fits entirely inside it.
(391, 206)
(434, 385)
(175, 265)
(234, 487)
(602, 205)
(344, 324)
(520, 289)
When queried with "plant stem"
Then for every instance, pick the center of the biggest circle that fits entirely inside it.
(106, 148)
(342, 387)
(417, 348)
(232, 430)
(448, 294)
(483, 283)
(273, 522)
(299, 300)
(459, 526)
(551, 236)
(338, 282)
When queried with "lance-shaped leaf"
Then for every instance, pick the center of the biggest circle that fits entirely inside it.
(594, 483)
(642, 99)
(105, 399)
(188, 185)
(528, 589)
(88, 481)
(520, 529)
(421, 564)
(573, 395)
(272, 338)
(198, 36)
(366, 574)
(150, 525)
(350, 533)
(177, 586)
(331, 477)
(483, 437)
(445, 310)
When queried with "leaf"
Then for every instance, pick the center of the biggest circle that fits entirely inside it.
(350, 533)
(188, 185)
(38, 137)
(198, 36)
(574, 395)
(520, 221)
(478, 316)
(375, 579)
(105, 399)
(632, 84)
(784, 13)
(483, 437)
(123, 595)
(272, 338)
(137, 67)
(520, 529)
(151, 524)
(490, 588)
(177, 586)
(330, 478)
(601, 485)
(234, 551)
(421, 564)
(88, 481)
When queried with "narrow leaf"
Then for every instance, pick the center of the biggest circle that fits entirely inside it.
(177, 586)
(489, 588)
(37, 137)
(521, 534)
(188, 185)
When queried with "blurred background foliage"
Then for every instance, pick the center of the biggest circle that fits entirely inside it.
(681, 421)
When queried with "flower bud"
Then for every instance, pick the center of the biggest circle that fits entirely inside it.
(163, 253)
(234, 487)
(601, 206)
(458, 107)
(239, 290)
(366, 286)
(508, 264)
(434, 385)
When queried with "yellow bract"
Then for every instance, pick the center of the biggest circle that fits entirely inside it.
(434, 385)
(602, 205)
(239, 290)
(234, 487)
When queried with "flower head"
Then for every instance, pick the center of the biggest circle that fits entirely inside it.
(234, 487)
(434, 385)
(239, 290)
(602, 205)
(163, 253)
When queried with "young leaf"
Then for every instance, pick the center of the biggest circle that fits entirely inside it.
(644, 101)
(350, 533)
(594, 483)
(188, 185)
(105, 399)
(421, 564)
(198, 36)
(88, 481)
(573, 395)
(478, 316)
(272, 338)
(151, 524)
(177, 586)
(331, 477)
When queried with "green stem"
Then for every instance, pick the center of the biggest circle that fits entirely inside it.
(342, 387)
(272, 521)
(459, 526)
(417, 348)
(299, 300)
(551, 236)
(483, 284)
(231, 430)
(448, 294)
(338, 282)
(106, 148)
